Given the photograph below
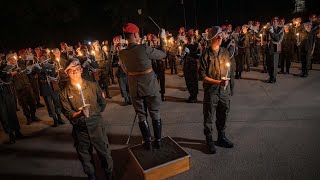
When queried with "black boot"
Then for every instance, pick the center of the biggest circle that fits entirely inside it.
(240, 75)
(55, 122)
(157, 128)
(130, 101)
(60, 121)
(91, 177)
(34, 117)
(18, 134)
(162, 97)
(126, 101)
(12, 138)
(211, 147)
(223, 141)
(109, 176)
(145, 131)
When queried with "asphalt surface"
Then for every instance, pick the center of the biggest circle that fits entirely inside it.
(274, 128)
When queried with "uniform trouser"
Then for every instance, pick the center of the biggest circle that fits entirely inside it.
(239, 63)
(84, 144)
(254, 54)
(218, 104)
(147, 103)
(123, 85)
(298, 48)
(53, 104)
(27, 102)
(246, 58)
(286, 60)
(104, 81)
(173, 64)
(272, 65)
(191, 78)
(264, 58)
(35, 87)
(8, 115)
(304, 62)
(110, 73)
(162, 81)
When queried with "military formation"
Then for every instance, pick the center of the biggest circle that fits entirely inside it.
(75, 80)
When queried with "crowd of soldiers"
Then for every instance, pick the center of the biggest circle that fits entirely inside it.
(29, 74)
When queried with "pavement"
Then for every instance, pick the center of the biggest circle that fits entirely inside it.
(274, 128)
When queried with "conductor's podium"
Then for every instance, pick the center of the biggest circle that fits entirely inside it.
(161, 163)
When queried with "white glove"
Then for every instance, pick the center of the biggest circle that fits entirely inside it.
(85, 111)
(162, 33)
(187, 50)
(271, 30)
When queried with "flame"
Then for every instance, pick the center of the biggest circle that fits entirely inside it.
(228, 64)
(79, 87)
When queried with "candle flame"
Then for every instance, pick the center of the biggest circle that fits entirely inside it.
(79, 87)
(15, 57)
(260, 34)
(58, 59)
(180, 47)
(264, 27)
(92, 52)
(228, 64)
(297, 34)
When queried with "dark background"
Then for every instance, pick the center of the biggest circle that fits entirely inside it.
(48, 22)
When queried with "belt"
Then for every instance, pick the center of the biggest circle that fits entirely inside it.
(140, 73)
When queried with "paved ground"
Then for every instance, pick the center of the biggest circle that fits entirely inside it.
(274, 128)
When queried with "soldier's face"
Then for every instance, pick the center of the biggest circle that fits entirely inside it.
(56, 53)
(75, 73)
(12, 60)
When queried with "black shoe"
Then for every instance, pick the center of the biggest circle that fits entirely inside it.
(91, 177)
(109, 176)
(34, 118)
(281, 72)
(157, 133)
(223, 141)
(145, 131)
(39, 105)
(60, 121)
(19, 135)
(12, 138)
(29, 120)
(271, 81)
(163, 98)
(303, 75)
(211, 147)
(126, 101)
(300, 74)
(55, 122)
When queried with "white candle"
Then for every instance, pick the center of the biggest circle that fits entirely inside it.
(261, 39)
(180, 50)
(228, 69)
(81, 94)
(298, 38)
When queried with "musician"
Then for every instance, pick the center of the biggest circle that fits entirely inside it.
(61, 65)
(298, 30)
(172, 51)
(190, 67)
(273, 49)
(159, 68)
(49, 88)
(244, 51)
(109, 68)
(8, 115)
(287, 46)
(144, 89)
(22, 87)
(88, 130)
(216, 90)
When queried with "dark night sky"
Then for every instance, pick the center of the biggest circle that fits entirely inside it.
(48, 22)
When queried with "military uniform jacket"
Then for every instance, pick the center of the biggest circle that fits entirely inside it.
(48, 69)
(20, 80)
(288, 41)
(273, 39)
(214, 66)
(138, 58)
(71, 102)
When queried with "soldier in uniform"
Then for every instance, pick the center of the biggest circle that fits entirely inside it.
(273, 49)
(190, 67)
(88, 129)
(8, 115)
(89, 64)
(244, 51)
(143, 85)
(63, 77)
(22, 87)
(159, 68)
(101, 59)
(49, 89)
(287, 46)
(216, 100)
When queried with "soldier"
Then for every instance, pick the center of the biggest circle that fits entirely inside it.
(101, 59)
(109, 68)
(63, 77)
(273, 49)
(144, 89)
(297, 30)
(159, 68)
(307, 47)
(213, 67)
(89, 64)
(49, 89)
(8, 115)
(172, 50)
(88, 129)
(244, 51)
(190, 68)
(22, 87)
(287, 46)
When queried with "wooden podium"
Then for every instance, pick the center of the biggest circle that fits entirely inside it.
(161, 163)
